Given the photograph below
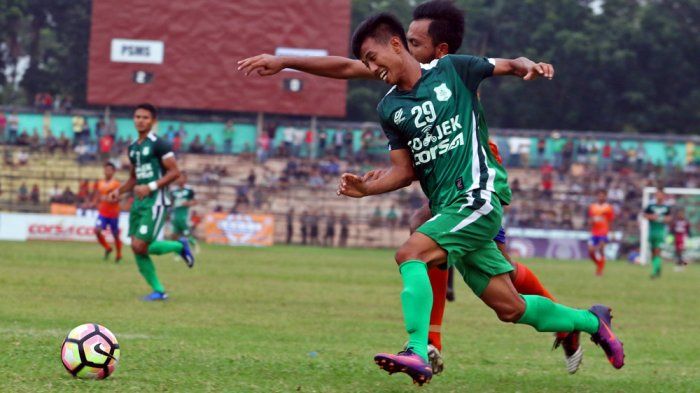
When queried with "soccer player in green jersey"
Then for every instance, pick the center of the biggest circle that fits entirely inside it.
(658, 214)
(438, 135)
(153, 168)
(182, 196)
(437, 29)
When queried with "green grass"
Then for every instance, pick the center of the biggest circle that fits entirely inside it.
(287, 319)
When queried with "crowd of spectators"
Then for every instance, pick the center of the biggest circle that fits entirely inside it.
(552, 183)
(317, 228)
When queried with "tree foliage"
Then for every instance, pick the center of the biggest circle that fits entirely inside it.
(53, 35)
(621, 65)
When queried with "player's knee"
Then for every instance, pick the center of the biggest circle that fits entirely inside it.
(139, 247)
(403, 254)
(408, 253)
(510, 312)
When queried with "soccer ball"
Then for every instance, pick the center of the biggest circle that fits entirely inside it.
(90, 351)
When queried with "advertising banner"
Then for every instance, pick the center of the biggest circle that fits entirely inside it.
(239, 229)
(18, 226)
(555, 244)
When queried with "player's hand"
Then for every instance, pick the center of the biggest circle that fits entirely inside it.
(352, 185)
(113, 196)
(539, 70)
(374, 174)
(142, 191)
(264, 65)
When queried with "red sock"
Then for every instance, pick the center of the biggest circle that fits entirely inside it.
(594, 257)
(438, 280)
(118, 244)
(527, 283)
(600, 264)
(103, 242)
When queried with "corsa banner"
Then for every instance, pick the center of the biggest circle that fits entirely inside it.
(239, 229)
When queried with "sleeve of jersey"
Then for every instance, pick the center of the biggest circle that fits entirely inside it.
(648, 210)
(472, 69)
(392, 134)
(163, 149)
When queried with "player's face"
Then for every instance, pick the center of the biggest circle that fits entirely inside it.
(109, 172)
(383, 60)
(181, 180)
(143, 120)
(660, 197)
(420, 44)
(602, 197)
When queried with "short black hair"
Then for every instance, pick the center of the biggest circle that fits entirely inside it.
(148, 107)
(447, 22)
(381, 27)
(109, 163)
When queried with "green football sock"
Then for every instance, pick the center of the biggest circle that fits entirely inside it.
(546, 316)
(656, 264)
(416, 301)
(164, 247)
(148, 271)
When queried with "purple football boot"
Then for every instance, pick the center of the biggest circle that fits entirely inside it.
(605, 338)
(406, 362)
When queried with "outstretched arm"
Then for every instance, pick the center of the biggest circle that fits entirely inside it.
(328, 66)
(524, 68)
(399, 175)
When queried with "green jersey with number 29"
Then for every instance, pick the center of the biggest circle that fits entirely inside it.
(442, 124)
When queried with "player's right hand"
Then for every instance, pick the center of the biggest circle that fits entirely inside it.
(264, 65)
(113, 196)
(374, 174)
(352, 185)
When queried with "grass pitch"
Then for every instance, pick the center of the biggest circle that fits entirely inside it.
(292, 319)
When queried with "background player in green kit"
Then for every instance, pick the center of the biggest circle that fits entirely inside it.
(182, 196)
(438, 135)
(658, 214)
(153, 168)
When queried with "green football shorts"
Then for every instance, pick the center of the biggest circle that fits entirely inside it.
(146, 222)
(656, 240)
(467, 233)
(180, 224)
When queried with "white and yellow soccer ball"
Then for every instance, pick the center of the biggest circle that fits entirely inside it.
(90, 351)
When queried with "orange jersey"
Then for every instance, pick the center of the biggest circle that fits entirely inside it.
(601, 216)
(494, 150)
(107, 209)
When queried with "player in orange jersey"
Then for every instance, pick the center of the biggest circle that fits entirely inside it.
(601, 215)
(108, 212)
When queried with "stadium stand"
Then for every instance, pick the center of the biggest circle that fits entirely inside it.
(553, 174)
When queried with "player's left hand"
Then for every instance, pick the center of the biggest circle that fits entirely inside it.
(142, 191)
(538, 70)
(352, 185)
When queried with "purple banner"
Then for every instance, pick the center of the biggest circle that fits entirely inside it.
(554, 244)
